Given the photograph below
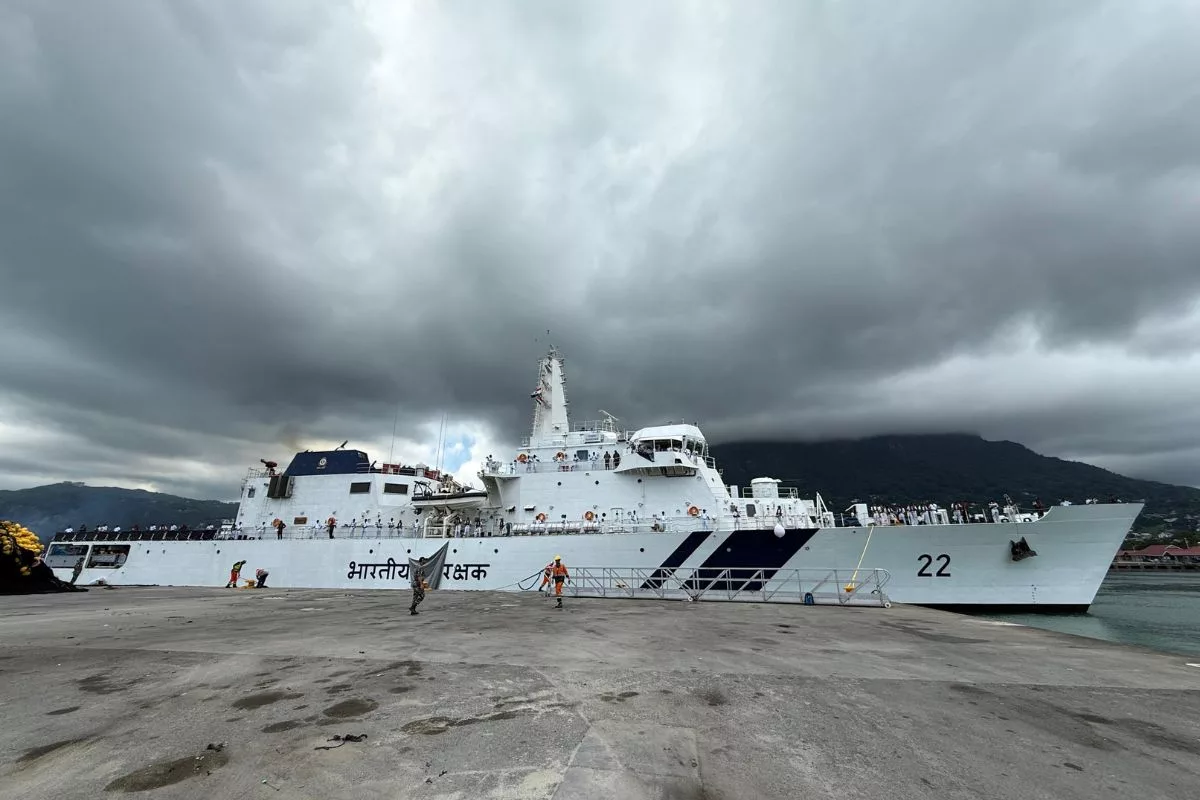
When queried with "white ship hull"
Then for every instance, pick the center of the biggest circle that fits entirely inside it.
(952, 566)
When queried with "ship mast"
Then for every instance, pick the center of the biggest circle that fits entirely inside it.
(551, 421)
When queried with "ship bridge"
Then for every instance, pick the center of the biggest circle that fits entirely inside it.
(670, 450)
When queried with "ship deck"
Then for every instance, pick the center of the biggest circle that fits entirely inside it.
(497, 695)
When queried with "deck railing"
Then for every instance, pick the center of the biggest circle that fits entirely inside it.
(862, 587)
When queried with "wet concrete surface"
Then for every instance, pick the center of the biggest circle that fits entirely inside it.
(194, 693)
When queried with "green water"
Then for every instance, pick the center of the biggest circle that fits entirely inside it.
(1160, 611)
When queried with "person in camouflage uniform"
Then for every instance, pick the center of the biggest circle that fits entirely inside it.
(418, 586)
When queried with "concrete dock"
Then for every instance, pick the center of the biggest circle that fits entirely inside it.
(194, 693)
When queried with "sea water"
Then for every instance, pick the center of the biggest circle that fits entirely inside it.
(1159, 610)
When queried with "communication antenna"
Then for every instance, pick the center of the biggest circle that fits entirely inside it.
(441, 447)
(610, 419)
(392, 449)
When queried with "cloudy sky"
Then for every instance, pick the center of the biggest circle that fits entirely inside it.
(228, 230)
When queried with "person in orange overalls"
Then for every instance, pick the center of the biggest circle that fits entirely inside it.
(234, 574)
(547, 573)
(560, 574)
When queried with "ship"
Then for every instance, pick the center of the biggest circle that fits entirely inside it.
(651, 502)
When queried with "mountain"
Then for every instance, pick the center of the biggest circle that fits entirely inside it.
(945, 468)
(47, 509)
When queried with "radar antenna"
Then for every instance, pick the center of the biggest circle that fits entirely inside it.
(610, 421)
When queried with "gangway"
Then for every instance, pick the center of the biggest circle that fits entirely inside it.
(861, 587)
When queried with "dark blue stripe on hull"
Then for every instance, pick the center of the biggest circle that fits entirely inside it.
(747, 550)
(676, 559)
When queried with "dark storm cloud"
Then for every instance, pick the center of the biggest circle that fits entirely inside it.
(231, 230)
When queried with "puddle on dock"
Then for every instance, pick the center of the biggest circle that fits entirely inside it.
(165, 773)
(351, 708)
(264, 699)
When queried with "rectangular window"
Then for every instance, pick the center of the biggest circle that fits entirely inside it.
(64, 556)
(250, 492)
(395, 488)
(300, 520)
(109, 556)
(749, 509)
(361, 487)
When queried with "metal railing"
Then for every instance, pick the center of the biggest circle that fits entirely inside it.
(862, 587)
(517, 468)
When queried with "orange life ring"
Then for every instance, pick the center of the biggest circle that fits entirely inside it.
(275, 522)
(331, 521)
(540, 517)
(522, 458)
(560, 455)
(589, 516)
(693, 512)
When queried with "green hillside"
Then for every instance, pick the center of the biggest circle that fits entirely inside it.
(949, 468)
(47, 509)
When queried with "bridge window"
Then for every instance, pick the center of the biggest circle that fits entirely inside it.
(64, 556)
(395, 488)
(360, 487)
(108, 556)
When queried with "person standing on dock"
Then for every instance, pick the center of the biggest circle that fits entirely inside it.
(560, 573)
(234, 573)
(418, 586)
(547, 574)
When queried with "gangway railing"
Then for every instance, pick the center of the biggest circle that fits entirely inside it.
(845, 587)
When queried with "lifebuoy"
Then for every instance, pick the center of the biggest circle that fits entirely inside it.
(522, 458)
(560, 455)
(589, 516)
(540, 517)
(275, 522)
(693, 512)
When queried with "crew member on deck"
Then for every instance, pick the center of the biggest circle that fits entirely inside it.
(260, 574)
(559, 570)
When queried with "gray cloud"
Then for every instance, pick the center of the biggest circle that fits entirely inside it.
(226, 232)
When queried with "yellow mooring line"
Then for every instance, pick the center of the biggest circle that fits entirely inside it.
(850, 586)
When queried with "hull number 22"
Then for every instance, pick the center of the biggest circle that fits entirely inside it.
(943, 570)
